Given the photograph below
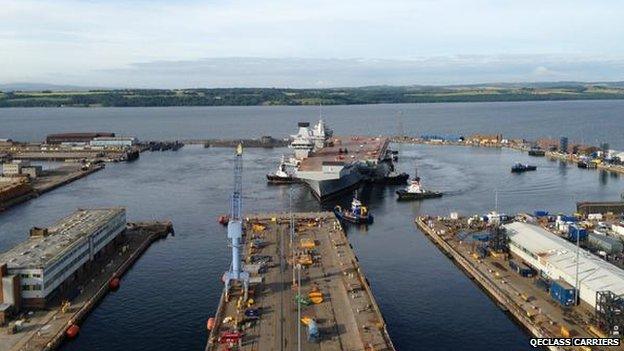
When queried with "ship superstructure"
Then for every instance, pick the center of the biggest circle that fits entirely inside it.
(330, 164)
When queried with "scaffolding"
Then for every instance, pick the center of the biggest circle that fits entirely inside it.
(609, 311)
(499, 242)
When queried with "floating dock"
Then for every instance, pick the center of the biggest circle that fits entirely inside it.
(346, 313)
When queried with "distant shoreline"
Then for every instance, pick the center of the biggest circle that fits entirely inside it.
(309, 97)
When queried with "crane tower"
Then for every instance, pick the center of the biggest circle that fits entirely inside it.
(235, 229)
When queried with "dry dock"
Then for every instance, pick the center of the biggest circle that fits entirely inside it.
(46, 329)
(348, 317)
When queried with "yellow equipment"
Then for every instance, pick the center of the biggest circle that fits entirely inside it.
(258, 228)
(305, 260)
(316, 296)
(307, 243)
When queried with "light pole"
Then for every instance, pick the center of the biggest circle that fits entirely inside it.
(578, 252)
(292, 234)
(299, 307)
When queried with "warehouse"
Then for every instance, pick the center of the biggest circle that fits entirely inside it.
(75, 137)
(48, 263)
(114, 141)
(556, 258)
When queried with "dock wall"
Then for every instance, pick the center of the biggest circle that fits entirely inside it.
(484, 282)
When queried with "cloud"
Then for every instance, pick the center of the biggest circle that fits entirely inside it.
(73, 42)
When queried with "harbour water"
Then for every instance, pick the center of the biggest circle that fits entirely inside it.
(591, 122)
(428, 303)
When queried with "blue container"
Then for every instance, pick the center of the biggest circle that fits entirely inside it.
(566, 218)
(481, 237)
(540, 213)
(521, 268)
(562, 292)
(577, 233)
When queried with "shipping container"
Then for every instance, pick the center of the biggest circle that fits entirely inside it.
(566, 218)
(562, 292)
(540, 213)
(577, 233)
(521, 268)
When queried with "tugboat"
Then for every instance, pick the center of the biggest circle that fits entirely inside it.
(536, 151)
(358, 213)
(520, 168)
(585, 162)
(281, 176)
(414, 191)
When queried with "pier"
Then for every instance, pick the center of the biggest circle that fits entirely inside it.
(46, 182)
(517, 295)
(46, 330)
(314, 269)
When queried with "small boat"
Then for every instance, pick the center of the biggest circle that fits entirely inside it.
(414, 191)
(358, 213)
(223, 219)
(281, 176)
(536, 151)
(519, 168)
(585, 163)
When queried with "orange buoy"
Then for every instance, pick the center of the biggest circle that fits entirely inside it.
(211, 323)
(114, 283)
(72, 331)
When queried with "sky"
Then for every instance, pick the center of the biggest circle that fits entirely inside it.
(291, 43)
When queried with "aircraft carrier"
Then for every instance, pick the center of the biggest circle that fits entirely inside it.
(330, 165)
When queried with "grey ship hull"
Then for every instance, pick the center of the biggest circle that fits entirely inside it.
(326, 189)
(329, 188)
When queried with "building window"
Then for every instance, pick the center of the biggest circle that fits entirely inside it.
(26, 287)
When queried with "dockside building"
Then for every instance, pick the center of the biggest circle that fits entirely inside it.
(47, 266)
(556, 258)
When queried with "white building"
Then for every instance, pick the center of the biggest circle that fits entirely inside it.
(114, 141)
(15, 167)
(556, 257)
(52, 255)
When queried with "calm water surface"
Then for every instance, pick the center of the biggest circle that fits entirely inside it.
(590, 122)
(428, 302)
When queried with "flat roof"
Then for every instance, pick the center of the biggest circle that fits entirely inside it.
(39, 252)
(359, 148)
(594, 273)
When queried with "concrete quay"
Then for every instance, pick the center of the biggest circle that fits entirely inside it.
(347, 316)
